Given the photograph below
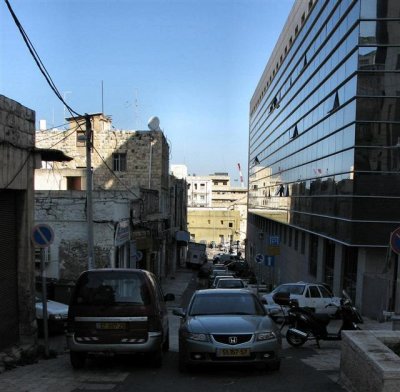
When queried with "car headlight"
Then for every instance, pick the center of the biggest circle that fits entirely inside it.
(55, 317)
(265, 336)
(199, 337)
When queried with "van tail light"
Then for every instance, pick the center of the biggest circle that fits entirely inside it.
(154, 324)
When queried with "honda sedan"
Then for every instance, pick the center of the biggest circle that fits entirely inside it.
(227, 326)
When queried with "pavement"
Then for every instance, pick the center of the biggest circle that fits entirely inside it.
(56, 374)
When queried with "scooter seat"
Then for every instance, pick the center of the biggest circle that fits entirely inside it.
(322, 318)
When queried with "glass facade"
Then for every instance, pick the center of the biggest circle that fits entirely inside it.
(324, 138)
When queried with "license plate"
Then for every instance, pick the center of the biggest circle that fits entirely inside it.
(233, 352)
(111, 325)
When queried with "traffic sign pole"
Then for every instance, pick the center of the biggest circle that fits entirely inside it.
(44, 302)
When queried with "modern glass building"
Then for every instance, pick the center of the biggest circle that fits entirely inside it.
(324, 150)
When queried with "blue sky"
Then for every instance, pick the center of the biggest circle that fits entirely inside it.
(193, 63)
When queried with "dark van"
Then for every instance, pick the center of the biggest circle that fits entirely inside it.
(120, 311)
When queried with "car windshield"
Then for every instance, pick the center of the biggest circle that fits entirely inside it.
(297, 289)
(226, 304)
(111, 287)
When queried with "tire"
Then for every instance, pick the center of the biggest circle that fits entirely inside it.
(165, 346)
(294, 340)
(78, 359)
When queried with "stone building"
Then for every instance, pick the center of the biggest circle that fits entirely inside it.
(134, 163)
(18, 159)
(216, 210)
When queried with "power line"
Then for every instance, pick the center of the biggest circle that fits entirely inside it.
(113, 173)
(37, 59)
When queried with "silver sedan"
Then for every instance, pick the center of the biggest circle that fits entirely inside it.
(227, 326)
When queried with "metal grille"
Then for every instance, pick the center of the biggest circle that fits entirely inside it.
(8, 270)
(233, 339)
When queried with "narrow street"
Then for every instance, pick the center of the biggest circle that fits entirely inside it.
(307, 369)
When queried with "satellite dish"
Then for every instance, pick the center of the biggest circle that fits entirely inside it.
(154, 123)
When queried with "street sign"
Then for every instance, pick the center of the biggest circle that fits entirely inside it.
(274, 240)
(42, 235)
(269, 261)
(139, 255)
(273, 250)
(395, 241)
(259, 258)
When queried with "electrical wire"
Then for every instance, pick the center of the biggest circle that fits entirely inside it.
(113, 173)
(37, 59)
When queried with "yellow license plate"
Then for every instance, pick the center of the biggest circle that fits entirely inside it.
(111, 326)
(233, 352)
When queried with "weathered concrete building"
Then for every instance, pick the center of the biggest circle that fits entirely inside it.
(17, 157)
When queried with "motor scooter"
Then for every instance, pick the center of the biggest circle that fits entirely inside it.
(304, 324)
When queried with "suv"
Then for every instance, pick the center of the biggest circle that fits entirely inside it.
(117, 311)
(316, 296)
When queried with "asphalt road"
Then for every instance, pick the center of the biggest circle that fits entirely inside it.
(305, 369)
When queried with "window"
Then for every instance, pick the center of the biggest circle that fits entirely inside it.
(314, 292)
(74, 183)
(80, 138)
(119, 162)
(230, 224)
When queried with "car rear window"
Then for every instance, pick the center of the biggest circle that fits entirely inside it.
(111, 287)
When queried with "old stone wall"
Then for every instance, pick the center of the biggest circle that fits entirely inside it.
(65, 212)
(107, 141)
(17, 160)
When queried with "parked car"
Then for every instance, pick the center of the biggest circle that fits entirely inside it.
(225, 258)
(240, 267)
(312, 295)
(120, 311)
(229, 283)
(57, 314)
(227, 326)
(218, 277)
(215, 273)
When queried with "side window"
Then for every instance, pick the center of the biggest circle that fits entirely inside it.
(307, 295)
(325, 293)
(314, 292)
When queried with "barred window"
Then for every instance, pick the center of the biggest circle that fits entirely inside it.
(119, 162)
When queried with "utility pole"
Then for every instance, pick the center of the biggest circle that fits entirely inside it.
(89, 202)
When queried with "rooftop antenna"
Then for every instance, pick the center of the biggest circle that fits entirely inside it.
(136, 109)
(64, 97)
(102, 97)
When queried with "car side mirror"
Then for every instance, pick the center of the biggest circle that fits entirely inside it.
(169, 297)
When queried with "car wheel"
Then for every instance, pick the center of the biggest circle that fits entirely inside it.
(165, 346)
(77, 359)
(294, 340)
(156, 359)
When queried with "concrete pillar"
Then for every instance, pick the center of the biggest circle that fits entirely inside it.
(337, 271)
(320, 259)
(361, 268)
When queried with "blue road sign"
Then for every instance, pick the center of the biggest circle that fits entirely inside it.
(269, 261)
(395, 241)
(259, 258)
(274, 240)
(42, 235)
